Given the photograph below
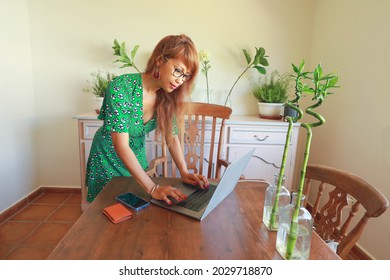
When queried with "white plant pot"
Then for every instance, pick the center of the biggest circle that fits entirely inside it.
(98, 102)
(271, 111)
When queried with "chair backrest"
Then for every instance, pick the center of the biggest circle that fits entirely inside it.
(202, 137)
(329, 222)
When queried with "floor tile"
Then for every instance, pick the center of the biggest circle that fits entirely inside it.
(52, 198)
(48, 234)
(12, 233)
(66, 213)
(35, 212)
(5, 250)
(30, 253)
(74, 199)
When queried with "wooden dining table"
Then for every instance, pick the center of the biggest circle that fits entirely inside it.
(232, 231)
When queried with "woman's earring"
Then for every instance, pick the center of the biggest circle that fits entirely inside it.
(156, 74)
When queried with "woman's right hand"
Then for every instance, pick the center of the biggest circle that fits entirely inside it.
(163, 192)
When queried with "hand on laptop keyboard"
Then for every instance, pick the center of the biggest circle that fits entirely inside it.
(167, 192)
(196, 180)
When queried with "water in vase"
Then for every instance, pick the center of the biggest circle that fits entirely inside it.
(301, 250)
(302, 245)
(269, 201)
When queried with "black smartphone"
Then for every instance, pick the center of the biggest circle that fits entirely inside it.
(132, 201)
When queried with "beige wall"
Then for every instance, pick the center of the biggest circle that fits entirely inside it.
(69, 39)
(18, 126)
(52, 46)
(356, 136)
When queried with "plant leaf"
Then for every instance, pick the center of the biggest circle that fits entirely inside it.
(327, 77)
(260, 69)
(317, 73)
(123, 50)
(134, 51)
(295, 69)
(302, 65)
(247, 56)
(257, 57)
(333, 81)
(264, 62)
(116, 47)
(261, 52)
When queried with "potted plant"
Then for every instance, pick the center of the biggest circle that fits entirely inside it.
(259, 62)
(272, 93)
(294, 226)
(291, 106)
(98, 85)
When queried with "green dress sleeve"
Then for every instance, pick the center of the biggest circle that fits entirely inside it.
(122, 104)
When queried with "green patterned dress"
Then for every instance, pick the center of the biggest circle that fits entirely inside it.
(122, 111)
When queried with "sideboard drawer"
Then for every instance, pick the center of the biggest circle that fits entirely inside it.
(90, 128)
(254, 135)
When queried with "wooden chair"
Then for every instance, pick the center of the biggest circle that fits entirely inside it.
(340, 186)
(201, 140)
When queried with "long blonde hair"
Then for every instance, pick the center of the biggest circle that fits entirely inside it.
(169, 105)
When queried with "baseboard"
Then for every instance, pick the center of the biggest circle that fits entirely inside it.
(357, 253)
(6, 214)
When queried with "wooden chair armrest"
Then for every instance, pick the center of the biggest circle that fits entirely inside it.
(223, 162)
(220, 162)
(152, 169)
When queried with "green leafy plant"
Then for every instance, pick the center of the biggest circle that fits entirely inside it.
(274, 89)
(123, 57)
(98, 83)
(259, 62)
(320, 86)
(299, 89)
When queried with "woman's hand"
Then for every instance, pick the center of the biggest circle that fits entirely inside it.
(196, 180)
(163, 192)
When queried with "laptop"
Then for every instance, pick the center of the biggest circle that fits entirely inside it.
(201, 202)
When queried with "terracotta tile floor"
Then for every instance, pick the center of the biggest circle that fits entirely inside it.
(34, 231)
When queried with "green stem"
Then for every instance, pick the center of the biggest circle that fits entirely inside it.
(291, 105)
(320, 119)
(231, 89)
(294, 227)
(207, 88)
(284, 159)
(136, 68)
(298, 92)
(281, 173)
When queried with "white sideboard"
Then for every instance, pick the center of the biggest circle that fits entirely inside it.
(242, 134)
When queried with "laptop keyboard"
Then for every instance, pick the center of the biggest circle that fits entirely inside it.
(198, 199)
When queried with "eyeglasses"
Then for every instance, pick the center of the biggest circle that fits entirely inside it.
(178, 73)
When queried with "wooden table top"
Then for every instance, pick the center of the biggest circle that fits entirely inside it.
(232, 231)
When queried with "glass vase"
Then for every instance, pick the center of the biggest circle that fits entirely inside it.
(301, 248)
(269, 201)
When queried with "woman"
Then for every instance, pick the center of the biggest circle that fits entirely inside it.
(136, 104)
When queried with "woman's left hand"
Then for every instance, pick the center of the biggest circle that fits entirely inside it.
(196, 180)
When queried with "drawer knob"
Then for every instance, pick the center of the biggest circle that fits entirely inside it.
(261, 139)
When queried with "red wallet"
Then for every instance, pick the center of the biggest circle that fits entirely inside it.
(117, 213)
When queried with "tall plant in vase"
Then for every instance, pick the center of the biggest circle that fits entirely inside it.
(320, 85)
(270, 217)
